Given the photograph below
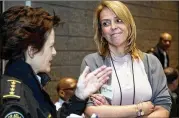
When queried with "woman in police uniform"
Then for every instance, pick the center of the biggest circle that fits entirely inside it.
(28, 43)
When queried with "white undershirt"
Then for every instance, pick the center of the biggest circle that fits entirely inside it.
(165, 59)
(123, 66)
(59, 104)
(39, 79)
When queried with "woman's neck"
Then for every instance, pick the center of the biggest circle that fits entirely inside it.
(117, 51)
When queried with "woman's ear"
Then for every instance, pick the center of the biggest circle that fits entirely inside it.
(31, 51)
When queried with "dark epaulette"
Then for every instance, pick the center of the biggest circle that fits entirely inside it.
(10, 88)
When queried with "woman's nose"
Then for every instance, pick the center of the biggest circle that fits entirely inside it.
(54, 52)
(113, 25)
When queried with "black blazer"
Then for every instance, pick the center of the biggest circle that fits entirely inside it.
(156, 51)
(174, 108)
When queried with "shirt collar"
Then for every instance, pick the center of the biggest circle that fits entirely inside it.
(61, 101)
(39, 79)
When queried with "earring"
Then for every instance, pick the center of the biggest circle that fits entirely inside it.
(30, 55)
(103, 41)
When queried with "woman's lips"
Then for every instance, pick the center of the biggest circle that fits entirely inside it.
(115, 34)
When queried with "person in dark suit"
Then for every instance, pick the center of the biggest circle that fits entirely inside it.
(65, 88)
(28, 38)
(172, 80)
(161, 49)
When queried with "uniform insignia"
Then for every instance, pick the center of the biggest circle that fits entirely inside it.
(13, 89)
(14, 115)
(49, 116)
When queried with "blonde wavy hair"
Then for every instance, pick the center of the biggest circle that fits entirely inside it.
(124, 14)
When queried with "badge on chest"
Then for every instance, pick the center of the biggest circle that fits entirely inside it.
(106, 90)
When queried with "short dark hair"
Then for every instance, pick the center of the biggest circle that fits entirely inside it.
(171, 74)
(23, 26)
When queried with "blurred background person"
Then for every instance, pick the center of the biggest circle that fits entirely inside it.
(161, 49)
(172, 81)
(65, 89)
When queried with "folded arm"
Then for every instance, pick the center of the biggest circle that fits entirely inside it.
(112, 111)
(160, 98)
(120, 111)
(159, 112)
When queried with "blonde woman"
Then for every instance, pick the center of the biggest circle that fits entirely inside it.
(137, 86)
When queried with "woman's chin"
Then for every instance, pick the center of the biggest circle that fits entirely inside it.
(46, 70)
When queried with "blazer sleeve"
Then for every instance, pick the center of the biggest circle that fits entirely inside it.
(160, 93)
(90, 61)
(83, 65)
(93, 60)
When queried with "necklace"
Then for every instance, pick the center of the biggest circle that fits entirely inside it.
(119, 82)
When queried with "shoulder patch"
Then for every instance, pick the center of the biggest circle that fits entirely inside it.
(14, 114)
(11, 88)
(49, 116)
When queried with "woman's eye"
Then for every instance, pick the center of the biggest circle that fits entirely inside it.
(105, 24)
(119, 21)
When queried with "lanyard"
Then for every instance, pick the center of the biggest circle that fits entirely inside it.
(119, 82)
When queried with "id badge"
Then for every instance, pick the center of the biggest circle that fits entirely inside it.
(106, 90)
